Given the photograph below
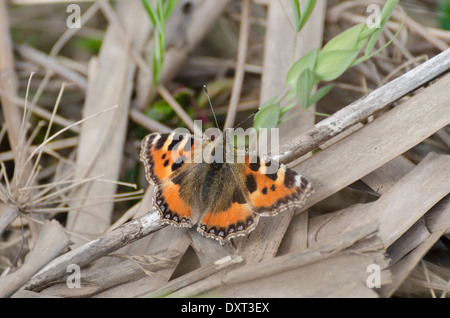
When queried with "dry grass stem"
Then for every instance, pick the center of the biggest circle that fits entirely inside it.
(244, 31)
(162, 90)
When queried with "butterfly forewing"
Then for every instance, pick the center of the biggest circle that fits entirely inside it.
(168, 160)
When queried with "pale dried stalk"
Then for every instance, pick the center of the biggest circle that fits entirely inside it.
(285, 262)
(94, 281)
(194, 276)
(147, 122)
(113, 20)
(8, 80)
(422, 31)
(52, 65)
(85, 17)
(39, 111)
(244, 32)
(165, 94)
(184, 38)
(56, 49)
(107, 243)
(19, 196)
(51, 147)
(106, 86)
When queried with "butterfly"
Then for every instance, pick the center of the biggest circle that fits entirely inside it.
(197, 184)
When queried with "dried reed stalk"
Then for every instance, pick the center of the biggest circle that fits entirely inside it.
(109, 242)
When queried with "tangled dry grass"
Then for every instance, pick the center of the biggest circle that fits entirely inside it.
(71, 132)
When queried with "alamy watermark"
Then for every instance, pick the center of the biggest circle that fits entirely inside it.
(74, 279)
(74, 19)
(374, 20)
(231, 146)
(374, 279)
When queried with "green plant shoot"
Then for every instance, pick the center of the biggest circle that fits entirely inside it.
(326, 64)
(158, 16)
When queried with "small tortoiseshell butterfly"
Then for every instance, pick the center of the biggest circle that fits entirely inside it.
(224, 198)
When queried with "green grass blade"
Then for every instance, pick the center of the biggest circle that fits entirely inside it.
(150, 11)
(169, 7)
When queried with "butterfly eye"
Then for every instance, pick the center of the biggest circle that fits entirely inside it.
(213, 138)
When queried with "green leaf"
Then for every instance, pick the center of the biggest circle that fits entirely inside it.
(347, 40)
(286, 118)
(160, 7)
(169, 7)
(91, 44)
(157, 60)
(150, 11)
(444, 14)
(157, 17)
(267, 117)
(385, 15)
(376, 32)
(320, 94)
(309, 7)
(332, 64)
(387, 11)
(305, 84)
(372, 41)
(368, 56)
(268, 103)
(300, 18)
(306, 61)
(295, 4)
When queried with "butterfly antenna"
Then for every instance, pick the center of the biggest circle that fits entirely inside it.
(253, 114)
(210, 105)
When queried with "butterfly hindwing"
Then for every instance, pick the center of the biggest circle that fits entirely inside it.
(174, 208)
(229, 214)
(273, 187)
(237, 220)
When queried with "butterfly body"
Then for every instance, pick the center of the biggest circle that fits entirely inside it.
(213, 185)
